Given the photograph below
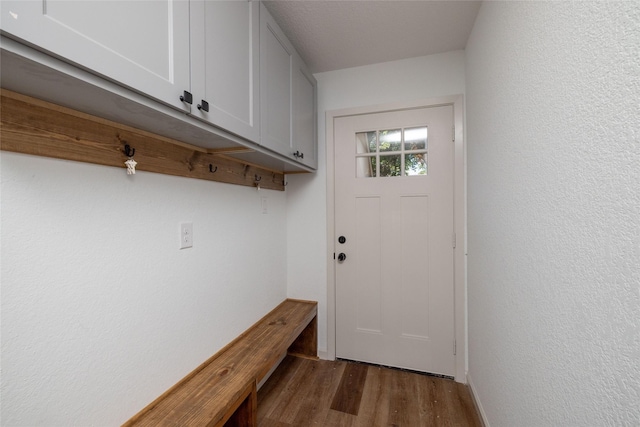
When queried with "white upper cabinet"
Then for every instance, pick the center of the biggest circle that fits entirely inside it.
(305, 147)
(143, 45)
(225, 65)
(276, 71)
(287, 97)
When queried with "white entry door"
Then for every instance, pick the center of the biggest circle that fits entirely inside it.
(394, 213)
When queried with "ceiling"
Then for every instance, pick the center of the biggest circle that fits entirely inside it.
(335, 34)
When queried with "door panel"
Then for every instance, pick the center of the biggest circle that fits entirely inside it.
(276, 65)
(143, 45)
(304, 113)
(414, 293)
(225, 64)
(367, 259)
(394, 205)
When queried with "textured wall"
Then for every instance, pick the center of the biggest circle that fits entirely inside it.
(101, 312)
(554, 213)
(390, 82)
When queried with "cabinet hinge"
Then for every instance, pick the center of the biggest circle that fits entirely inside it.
(453, 134)
(454, 347)
(453, 240)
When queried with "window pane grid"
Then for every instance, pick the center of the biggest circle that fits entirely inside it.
(392, 152)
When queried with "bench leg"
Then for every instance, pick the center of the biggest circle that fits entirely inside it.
(246, 414)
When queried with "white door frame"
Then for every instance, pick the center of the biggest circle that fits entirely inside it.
(460, 220)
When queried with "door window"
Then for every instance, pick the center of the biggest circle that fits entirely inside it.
(392, 152)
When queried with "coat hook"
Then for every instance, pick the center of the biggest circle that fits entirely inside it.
(258, 178)
(128, 151)
(130, 163)
(211, 169)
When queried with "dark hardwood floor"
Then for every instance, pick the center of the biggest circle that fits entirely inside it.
(304, 392)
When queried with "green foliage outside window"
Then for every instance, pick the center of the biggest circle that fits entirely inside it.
(391, 165)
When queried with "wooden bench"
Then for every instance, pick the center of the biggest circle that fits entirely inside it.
(222, 391)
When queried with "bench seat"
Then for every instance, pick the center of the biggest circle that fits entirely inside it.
(222, 391)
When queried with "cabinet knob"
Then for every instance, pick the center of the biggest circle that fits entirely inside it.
(186, 97)
(204, 106)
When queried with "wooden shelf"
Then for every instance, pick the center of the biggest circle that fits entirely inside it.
(32, 126)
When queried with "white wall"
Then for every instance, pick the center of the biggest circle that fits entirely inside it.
(391, 82)
(101, 312)
(553, 129)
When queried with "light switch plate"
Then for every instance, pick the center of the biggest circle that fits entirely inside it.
(186, 235)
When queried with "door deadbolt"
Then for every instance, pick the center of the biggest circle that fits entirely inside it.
(342, 239)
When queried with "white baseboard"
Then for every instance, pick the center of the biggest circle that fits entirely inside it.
(476, 401)
(324, 355)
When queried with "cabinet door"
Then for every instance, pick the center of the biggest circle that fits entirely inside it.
(225, 61)
(276, 66)
(305, 129)
(143, 45)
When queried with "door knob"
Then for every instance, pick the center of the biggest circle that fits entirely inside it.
(342, 256)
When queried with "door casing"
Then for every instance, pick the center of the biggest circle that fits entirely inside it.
(460, 251)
